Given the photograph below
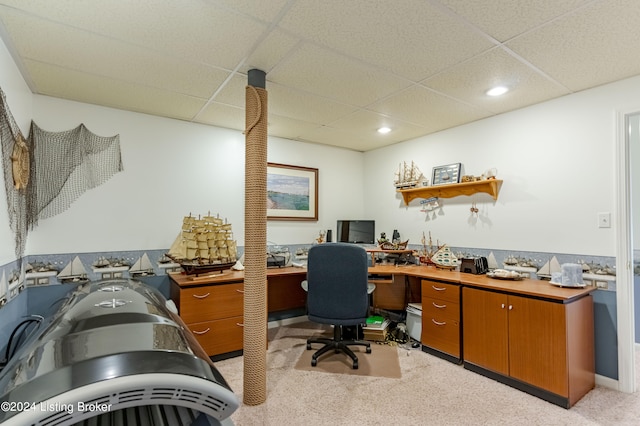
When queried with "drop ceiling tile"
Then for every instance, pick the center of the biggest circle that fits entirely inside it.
(336, 77)
(337, 137)
(470, 81)
(305, 106)
(233, 91)
(365, 124)
(594, 46)
(288, 128)
(505, 19)
(270, 51)
(195, 30)
(412, 38)
(222, 115)
(71, 48)
(68, 84)
(427, 109)
(260, 9)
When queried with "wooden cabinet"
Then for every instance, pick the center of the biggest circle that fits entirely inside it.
(441, 318)
(389, 292)
(214, 314)
(544, 347)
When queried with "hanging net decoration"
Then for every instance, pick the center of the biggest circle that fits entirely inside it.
(67, 164)
(46, 172)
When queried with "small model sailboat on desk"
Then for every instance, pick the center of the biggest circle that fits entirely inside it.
(444, 258)
(204, 245)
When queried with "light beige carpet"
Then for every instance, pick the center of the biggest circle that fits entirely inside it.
(381, 362)
(432, 391)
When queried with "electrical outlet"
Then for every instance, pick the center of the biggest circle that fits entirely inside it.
(604, 220)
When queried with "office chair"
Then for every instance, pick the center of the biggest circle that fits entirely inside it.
(337, 276)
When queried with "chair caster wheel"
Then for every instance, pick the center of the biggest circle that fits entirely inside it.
(314, 362)
(368, 349)
(355, 365)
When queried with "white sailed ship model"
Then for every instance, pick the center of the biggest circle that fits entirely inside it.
(204, 245)
(142, 267)
(443, 258)
(408, 176)
(74, 272)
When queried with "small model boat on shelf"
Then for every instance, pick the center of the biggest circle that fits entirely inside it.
(142, 267)
(204, 245)
(408, 176)
(545, 272)
(74, 272)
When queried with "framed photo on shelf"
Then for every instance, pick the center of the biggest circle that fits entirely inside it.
(443, 175)
(292, 192)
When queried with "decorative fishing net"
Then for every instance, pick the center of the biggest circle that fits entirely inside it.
(46, 172)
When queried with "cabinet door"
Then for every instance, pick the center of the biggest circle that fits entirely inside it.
(537, 343)
(485, 329)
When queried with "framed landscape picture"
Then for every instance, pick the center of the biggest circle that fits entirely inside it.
(292, 192)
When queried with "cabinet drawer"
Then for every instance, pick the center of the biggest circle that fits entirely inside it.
(198, 304)
(442, 291)
(441, 335)
(220, 336)
(440, 310)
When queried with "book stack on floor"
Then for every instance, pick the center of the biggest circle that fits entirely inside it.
(376, 328)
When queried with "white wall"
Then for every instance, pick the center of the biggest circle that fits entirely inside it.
(557, 163)
(19, 99)
(173, 168)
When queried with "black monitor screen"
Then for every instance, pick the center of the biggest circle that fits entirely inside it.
(356, 231)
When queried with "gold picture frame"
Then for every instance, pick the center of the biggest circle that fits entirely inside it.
(292, 192)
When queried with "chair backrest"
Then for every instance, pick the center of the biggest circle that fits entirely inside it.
(337, 275)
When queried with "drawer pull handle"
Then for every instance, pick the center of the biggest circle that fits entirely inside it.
(239, 324)
(503, 306)
(240, 291)
(510, 307)
(438, 323)
(202, 332)
(438, 306)
(438, 288)
(204, 296)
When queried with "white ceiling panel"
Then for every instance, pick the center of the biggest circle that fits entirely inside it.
(595, 45)
(505, 19)
(335, 69)
(470, 81)
(55, 81)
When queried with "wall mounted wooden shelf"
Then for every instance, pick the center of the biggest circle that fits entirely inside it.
(489, 186)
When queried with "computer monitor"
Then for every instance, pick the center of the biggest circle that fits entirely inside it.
(356, 231)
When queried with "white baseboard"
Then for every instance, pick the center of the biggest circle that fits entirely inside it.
(606, 382)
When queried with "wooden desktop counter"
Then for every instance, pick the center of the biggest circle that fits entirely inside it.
(529, 334)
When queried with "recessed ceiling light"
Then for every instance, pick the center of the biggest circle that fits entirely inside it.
(497, 91)
(384, 130)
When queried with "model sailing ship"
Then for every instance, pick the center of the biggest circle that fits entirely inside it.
(408, 176)
(142, 267)
(204, 245)
(74, 272)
